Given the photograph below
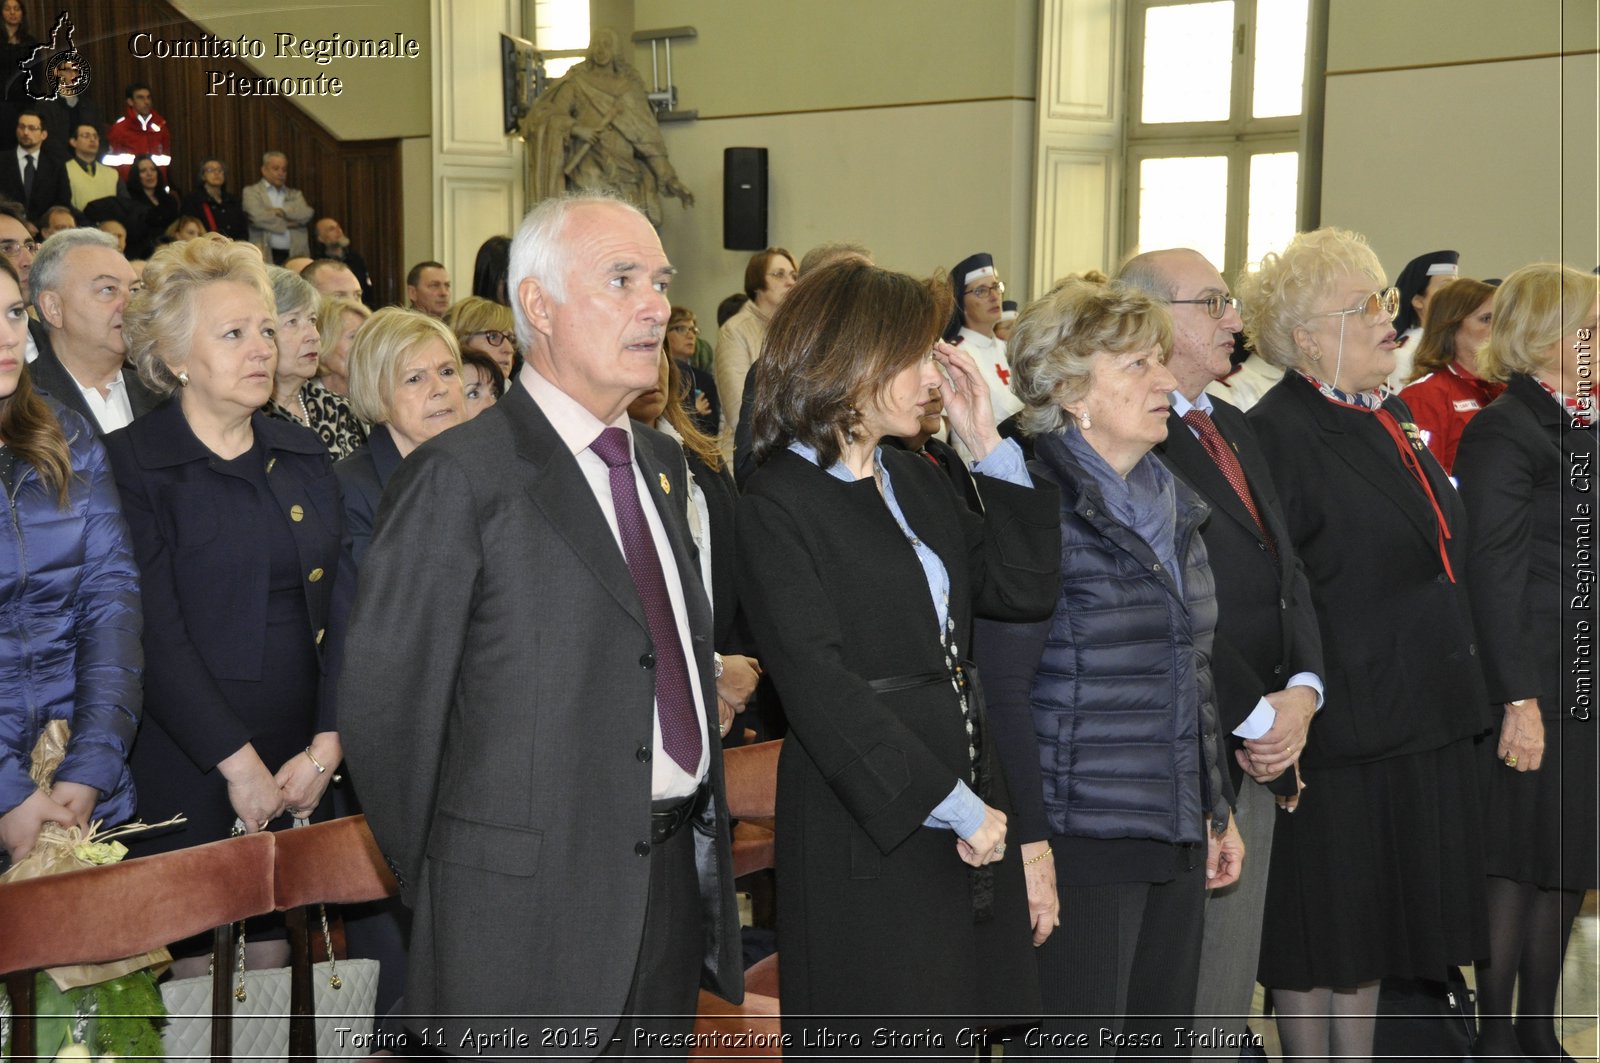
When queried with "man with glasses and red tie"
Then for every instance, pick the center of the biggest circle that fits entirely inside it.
(1267, 658)
(980, 297)
(527, 695)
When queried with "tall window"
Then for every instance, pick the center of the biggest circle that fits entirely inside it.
(559, 25)
(1214, 126)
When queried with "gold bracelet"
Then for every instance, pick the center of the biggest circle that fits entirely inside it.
(1041, 856)
(314, 761)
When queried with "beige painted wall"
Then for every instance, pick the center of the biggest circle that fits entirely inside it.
(1493, 152)
(381, 98)
(923, 185)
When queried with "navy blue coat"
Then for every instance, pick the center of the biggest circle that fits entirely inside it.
(202, 548)
(1123, 715)
(69, 627)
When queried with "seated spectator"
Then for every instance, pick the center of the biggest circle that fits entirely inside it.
(486, 326)
(55, 220)
(338, 318)
(218, 209)
(296, 396)
(67, 576)
(118, 231)
(482, 382)
(405, 381)
(153, 206)
(332, 277)
(330, 242)
(89, 179)
(237, 571)
(1445, 390)
(184, 227)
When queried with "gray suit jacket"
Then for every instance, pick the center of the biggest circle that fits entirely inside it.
(52, 378)
(263, 221)
(497, 711)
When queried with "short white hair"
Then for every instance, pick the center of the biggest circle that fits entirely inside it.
(538, 251)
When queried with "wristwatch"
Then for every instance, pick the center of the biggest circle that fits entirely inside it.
(716, 666)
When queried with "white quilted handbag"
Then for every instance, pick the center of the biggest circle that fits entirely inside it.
(343, 995)
(261, 1018)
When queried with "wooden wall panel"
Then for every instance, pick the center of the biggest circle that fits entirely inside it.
(356, 181)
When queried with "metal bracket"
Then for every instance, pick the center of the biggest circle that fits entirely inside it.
(664, 95)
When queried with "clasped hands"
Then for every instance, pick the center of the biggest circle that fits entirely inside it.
(258, 796)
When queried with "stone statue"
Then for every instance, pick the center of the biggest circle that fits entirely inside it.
(593, 130)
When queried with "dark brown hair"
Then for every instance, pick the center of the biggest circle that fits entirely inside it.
(31, 430)
(1449, 307)
(755, 271)
(840, 337)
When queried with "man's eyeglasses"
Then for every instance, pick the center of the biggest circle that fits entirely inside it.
(1376, 309)
(494, 336)
(689, 330)
(1216, 304)
(13, 248)
(983, 291)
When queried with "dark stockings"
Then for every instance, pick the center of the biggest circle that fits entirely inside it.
(1528, 932)
(1323, 1024)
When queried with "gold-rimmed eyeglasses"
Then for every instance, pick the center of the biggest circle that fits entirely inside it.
(1376, 309)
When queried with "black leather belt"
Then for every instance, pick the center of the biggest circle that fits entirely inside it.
(668, 817)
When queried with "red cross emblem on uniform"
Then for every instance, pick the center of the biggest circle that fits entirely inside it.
(1003, 373)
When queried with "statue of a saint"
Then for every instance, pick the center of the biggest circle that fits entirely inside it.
(593, 130)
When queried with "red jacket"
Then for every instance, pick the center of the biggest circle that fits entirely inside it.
(132, 136)
(1442, 403)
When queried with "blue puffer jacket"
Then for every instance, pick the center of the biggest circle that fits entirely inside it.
(1122, 701)
(70, 626)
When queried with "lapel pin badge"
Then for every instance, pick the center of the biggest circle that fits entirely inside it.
(666, 485)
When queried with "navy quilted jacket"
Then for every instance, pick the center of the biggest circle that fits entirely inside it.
(70, 626)
(1122, 701)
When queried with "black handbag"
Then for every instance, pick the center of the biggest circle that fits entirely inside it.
(1420, 1018)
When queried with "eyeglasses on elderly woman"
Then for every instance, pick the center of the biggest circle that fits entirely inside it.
(1375, 309)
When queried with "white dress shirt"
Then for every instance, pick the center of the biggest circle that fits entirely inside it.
(578, 428)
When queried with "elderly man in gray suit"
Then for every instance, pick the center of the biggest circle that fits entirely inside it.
(528, 695)
(278, 214)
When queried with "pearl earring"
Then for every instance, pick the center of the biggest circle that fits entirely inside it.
(183, 379)
(1083, 420)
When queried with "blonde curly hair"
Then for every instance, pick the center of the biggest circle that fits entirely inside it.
(1287, 290)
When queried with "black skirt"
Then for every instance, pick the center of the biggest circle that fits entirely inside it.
(1379, 873)
(1540, 825)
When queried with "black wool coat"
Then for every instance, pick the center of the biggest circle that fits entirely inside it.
(875, 910)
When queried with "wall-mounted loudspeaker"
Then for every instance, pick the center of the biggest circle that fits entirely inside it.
(744, 199)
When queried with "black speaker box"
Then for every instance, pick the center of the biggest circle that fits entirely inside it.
(744, 199)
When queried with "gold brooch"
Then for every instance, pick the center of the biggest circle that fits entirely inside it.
(666, 485)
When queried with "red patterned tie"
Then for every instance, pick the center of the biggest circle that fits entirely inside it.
(680, 725)
(1222, 455)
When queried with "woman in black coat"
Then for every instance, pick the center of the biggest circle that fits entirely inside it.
(152, 207)
(1526, 468)
(211, 202)
(236, 525)
(1379, 872)
(899, 904)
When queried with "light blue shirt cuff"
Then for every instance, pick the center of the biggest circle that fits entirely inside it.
(1263, 716)
(961, 812)
(1005, 462)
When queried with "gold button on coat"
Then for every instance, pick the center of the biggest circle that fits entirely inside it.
(297, 513)
(314, 575)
